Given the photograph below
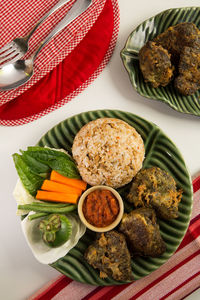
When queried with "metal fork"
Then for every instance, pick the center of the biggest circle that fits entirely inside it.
(17, 48)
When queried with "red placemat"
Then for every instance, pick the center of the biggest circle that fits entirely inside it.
(79, 68)
(174, 280)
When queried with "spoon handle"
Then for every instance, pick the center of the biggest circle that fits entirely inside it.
(77, 9)
(51, 11)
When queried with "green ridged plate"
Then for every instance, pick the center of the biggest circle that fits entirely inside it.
(147, 31)
(161, 152)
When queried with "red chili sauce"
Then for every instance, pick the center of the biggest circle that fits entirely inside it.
(100, 208)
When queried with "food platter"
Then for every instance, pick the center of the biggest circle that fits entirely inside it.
(161, 152)
(147, 31)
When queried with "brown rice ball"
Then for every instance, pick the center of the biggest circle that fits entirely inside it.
(108, 151)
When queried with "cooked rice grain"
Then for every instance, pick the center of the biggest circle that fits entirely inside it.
(108, 151)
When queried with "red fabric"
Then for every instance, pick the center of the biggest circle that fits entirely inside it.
(75, 69)
(181, 285)
(196, 185)
(54, 289)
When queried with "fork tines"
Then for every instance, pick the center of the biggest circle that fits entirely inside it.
(9, 53)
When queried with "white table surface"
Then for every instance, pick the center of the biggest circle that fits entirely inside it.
(20, 273)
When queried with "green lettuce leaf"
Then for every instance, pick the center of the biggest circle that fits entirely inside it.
(30, 181)
(36, 166)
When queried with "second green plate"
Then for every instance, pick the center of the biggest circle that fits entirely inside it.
(147, 31)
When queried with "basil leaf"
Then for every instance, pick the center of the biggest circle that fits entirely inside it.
(44, 152)
(30, 181)
(56, 160)
(63, 167)
(36, 166)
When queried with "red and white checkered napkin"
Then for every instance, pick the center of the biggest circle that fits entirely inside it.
(19, 17)
(174, 280)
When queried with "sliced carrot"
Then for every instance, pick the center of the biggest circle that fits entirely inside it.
(78, 183)
(53, 186)
(57, 197)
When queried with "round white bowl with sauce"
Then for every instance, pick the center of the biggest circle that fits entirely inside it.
(118, 216)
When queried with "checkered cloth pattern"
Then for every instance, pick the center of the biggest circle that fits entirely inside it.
(18, 18)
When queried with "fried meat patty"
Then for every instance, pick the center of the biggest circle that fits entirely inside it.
(155, 64)
(156, 188)
(188, 80)
(142, 232)
(175, 38)
(109, 254)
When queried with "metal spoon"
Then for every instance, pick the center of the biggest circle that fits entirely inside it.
(19, 72)
(18, 47)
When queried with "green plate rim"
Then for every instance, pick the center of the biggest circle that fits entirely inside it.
(72, 265)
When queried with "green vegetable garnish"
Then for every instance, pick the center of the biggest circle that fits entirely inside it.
(51, 208)
(36, 163)
(56, 230)
(31, 181)
(37, 215)
(56, 160)
(36, 166)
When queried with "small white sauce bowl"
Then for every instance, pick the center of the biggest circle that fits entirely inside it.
(118, 218)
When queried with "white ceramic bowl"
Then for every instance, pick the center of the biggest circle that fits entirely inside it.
(118, 218)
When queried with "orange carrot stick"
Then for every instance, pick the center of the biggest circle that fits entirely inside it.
(53, 186)
(57, 197)
(78, 183)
